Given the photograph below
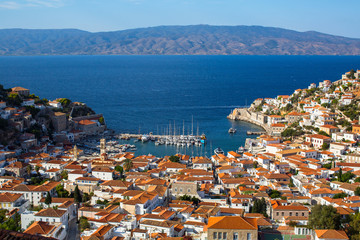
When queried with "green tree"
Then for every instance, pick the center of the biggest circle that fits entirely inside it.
(354, 227)
(65, 102)
(48, 199)
(189, 198)
(325, 146)
(14, 100)
(77, 195)
(327, 165)
(351, 74)
(84, 223)
(324, 133)
(174, 158)
(86, 197)
(259, 206)
(291, 184)
(357, 191)
(346, 177)
(324, 217)
(340, 195)
(61, 192)
(28, 170)
(119, 169)
(128, 164)
(37, 169)
(64, 175)
(12, 223)
(101, 120)
(275, 194)
(340, 175)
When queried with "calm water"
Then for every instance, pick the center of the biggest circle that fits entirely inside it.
(147, 93)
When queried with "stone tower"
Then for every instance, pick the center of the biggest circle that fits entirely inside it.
(102, 146)
(75, 153)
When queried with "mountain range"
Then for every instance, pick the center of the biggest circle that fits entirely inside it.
(176, 40)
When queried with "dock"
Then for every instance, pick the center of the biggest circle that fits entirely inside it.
(255, 133)
(137, 136)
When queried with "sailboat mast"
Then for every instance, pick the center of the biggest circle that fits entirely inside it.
(183, 127)
(192, 124)
(197, 131)
(174, 129)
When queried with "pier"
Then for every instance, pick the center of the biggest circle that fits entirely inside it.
(156, 136)
(255, 133)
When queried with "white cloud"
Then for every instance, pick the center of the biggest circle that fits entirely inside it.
(10, 5)
(16, 4)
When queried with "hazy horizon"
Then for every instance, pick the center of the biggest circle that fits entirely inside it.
(323, 16)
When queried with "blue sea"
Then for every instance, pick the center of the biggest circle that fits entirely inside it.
(147, 93)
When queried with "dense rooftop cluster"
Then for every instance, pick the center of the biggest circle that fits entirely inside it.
(300, 180)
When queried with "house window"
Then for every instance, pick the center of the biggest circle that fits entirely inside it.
(248, 236)
(277, 213)
(235, 236)
(215, 235)
(224, 235)
(219, 235)
(290, 213)
(303, 214)
(297, 214)
(188, 190)
(282, 214)
(180, 189)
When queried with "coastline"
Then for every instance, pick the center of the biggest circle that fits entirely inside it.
(246, 115)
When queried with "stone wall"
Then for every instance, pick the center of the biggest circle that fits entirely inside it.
(244, 114)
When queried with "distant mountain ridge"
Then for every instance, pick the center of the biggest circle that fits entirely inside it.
(176, 40)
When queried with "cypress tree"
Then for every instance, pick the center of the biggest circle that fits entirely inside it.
(48, 199)
(77, 195)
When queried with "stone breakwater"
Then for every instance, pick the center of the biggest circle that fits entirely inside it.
(244, 114)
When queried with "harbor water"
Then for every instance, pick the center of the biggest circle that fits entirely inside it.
(148, 93)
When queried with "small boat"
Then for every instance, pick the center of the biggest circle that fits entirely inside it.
(145, 138)
(218, 151)
(241, 150)
(203, 136)
(232, 130)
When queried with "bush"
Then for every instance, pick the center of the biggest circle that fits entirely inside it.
(275, 194)
(174, 158)
(340, 195)
(84, 223)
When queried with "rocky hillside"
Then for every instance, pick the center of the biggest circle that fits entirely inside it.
(176, 40)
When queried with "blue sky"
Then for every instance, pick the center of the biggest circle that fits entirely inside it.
(329, 16)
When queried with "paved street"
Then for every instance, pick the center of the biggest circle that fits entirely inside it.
(73, 232)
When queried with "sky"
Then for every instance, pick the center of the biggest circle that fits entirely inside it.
(335, 17)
